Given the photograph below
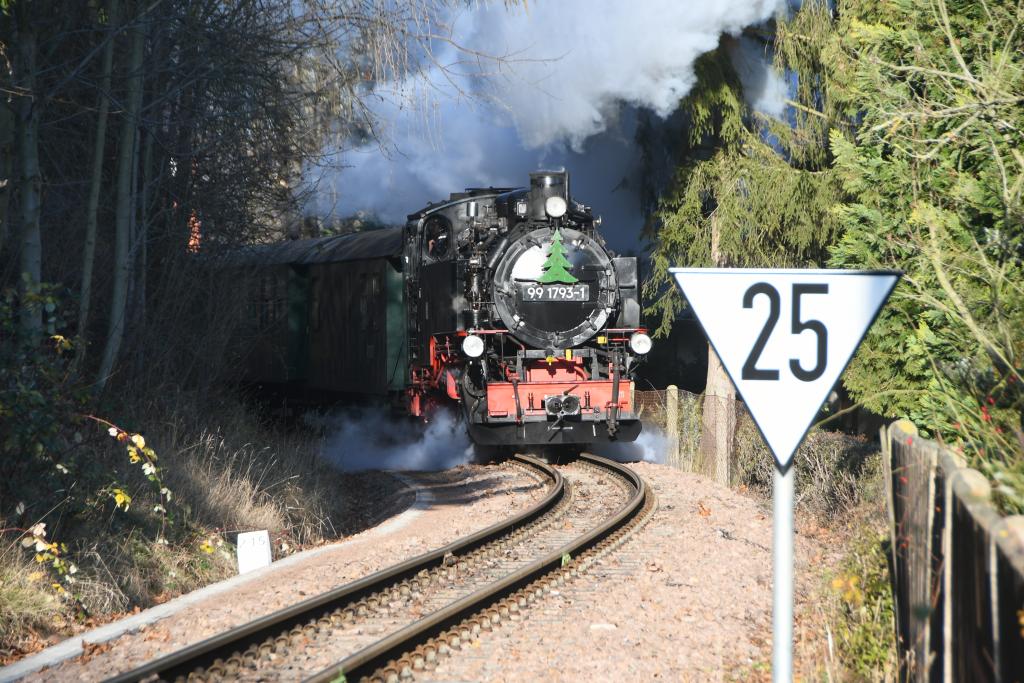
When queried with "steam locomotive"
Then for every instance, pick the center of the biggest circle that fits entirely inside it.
(504, 302)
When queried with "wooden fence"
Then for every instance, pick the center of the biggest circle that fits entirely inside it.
(958, 566)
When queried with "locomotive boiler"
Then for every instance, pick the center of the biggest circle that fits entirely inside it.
(520, 314)
(502, 302)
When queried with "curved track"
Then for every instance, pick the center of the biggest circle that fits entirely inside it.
(394, 622)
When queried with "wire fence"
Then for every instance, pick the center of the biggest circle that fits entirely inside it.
(686, 413)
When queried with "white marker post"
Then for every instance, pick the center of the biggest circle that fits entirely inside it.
(784, 337)
(253, 549)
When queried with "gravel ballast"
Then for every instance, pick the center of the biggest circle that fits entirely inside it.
(453, 503)
(688, 598)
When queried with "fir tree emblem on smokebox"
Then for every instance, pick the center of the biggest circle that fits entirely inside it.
(557, 267)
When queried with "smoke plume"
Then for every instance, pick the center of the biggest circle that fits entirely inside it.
(650, 446)
(360, 441)
(587, 58)
(566, 94)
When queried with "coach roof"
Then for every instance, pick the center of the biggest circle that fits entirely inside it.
(356, 246)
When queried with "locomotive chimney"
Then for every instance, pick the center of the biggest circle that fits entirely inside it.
(544, 184)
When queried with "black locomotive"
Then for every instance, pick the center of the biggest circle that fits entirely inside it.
(502, 301)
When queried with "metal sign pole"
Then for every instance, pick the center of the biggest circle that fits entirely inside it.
(782, 382)
(782, 586)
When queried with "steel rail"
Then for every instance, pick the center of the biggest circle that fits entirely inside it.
(227, 643)
(369, 660)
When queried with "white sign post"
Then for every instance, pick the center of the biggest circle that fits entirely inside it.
(784, 337)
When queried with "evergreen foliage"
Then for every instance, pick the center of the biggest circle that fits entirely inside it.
(901, 148)
(749, 190)
(934, 178)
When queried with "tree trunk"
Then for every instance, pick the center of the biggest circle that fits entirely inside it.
(27, 127)
(141, 253)
(124, 208)
(718, 426)
(6, 169)
(718, 422)
(95, 182)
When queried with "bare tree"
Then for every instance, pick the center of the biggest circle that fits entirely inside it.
(219, 109)
(6, 167)
(27, 114)
(95, 181)
(125, 207)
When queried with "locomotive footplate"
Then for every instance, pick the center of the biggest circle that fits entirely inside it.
(590, 400)
(539, 412)
(539, 433)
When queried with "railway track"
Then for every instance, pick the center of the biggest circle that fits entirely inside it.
(389, 625)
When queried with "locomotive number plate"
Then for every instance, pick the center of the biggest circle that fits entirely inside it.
(556, 292)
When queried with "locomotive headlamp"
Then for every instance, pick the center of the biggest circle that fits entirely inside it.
(553, 404)
(473, 346)
(555, 206)
(570, 405)
(640, 343)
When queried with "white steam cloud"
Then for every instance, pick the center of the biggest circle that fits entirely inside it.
(764, 89)
(589, 57)
(567, 95)
(371, 441)
(650, 446)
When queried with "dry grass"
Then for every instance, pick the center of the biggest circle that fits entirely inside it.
(839, 490)
(239, 476)
(27, 604)
(852, 602)
(228, 473)
(828, 464)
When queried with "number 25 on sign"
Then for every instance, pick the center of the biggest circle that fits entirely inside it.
(784, 337)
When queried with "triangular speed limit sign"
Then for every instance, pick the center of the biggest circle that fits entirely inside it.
(784, 336)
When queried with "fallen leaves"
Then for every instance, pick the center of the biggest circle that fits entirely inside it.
(90, 650)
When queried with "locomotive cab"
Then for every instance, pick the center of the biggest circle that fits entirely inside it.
(520, 314)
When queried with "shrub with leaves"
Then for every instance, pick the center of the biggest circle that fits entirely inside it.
(145, 457)
(39, 403)
(935, 177)
(863, 604)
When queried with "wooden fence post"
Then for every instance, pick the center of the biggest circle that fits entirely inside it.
(958, 566)
(673, 456)
(951, 464)
(1008, 581)
(885, 440)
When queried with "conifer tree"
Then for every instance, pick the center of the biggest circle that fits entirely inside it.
(557, 267)
(935, 177)
(901, 149)
(749, 190)
(764, 187)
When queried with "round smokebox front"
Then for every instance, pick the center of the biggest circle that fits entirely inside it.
(554, 288)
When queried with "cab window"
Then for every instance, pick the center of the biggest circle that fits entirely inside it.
(437, 238)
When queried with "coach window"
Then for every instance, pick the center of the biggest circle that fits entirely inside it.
(437, 237)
